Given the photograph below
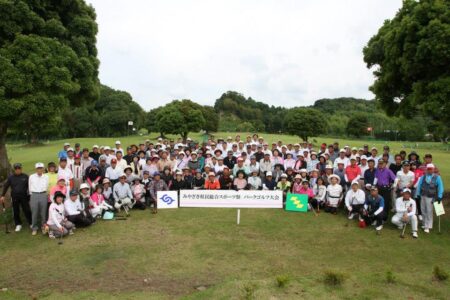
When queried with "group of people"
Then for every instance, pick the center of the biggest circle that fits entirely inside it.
(85, 183)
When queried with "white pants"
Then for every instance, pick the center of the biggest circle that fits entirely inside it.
(98, 209)
(426, 206)
(125, 203)
(397, 220)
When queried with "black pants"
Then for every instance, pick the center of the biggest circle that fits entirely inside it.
(314, 203)
(331, 209)
(385, 192)
(23, 202)
(378, 218)
(139, 205)
(79, 220)
(357, 209)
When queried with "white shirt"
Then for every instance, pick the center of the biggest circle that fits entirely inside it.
(72, 207)
(55, 214)
(344, 160)
(66, 173)
(404, 179)
(113, 174)
(355, 198)
(401, 206)
(38, 184)
(122, 163)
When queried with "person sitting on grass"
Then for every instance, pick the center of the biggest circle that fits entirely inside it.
(98, 204)
(254, 181)
(75, 211)
(212, 183)
(320, 191)
(334, 194)
(226, 180)
(240, 182)
(269, 183)
(284, 185)
(374, 209)
(198, 182)
(354, 200)
(178, 183)
(405, 212)
(122, 194)
(156, 185)
(138, 191)
(57, 223)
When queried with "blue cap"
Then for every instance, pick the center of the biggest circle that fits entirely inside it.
(94, 163)
(156, 174)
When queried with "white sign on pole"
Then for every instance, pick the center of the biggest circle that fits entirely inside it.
(167, 199)
(130, 123)
(231, 198)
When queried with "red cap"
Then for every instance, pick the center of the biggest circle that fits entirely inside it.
(77, 156)
(113, 160)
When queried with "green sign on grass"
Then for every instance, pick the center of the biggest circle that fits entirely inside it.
(297, 202)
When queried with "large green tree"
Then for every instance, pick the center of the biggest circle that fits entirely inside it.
(48, 60)
(411, 57)
(305, 122)
(357, 125)
(181, 117)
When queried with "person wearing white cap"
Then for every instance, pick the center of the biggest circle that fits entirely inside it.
(63, 152)
(405, 212)
(430, 188)
(118, 147)
(363, 165)
(341, 159)
(334, 194)
(95, 154)
(354, 200)
(38, 187)
(122, 194)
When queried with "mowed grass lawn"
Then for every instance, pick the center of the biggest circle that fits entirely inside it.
(202, 254)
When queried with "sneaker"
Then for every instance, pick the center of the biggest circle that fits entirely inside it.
(18, 228)
(350, 217)
(379, 228)
(374, 223)
(34, 232)
(426, 230)
(420, 218)
(71, 232)
(414, 234)
(423, 226)
(51, 235)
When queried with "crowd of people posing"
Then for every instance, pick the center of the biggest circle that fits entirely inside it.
(85, 184)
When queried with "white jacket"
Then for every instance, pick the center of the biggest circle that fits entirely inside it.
(355, 198)
(401, 206)
(334, 194)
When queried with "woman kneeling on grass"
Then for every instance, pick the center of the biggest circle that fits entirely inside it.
(334, 194)
(57, 223)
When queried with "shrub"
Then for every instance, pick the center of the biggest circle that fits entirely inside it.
(282, 280)
(333, 278)
(390, 277)
(439, 274)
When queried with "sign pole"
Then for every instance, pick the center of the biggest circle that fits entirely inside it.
(238, 216)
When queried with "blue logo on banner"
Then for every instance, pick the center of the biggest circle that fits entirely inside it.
(167, 199)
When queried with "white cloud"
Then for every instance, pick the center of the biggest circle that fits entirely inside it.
(281, 52)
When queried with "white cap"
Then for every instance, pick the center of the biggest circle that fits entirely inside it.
(107, 148)
(84, 186)
(95, 146)
(179, 172)
(117, 142)
(363, 157)
(430, 166)
(69, 149)
(406, 190)
(283, 175)
(269, 173)
(355, 182)
(66, 144)
(39, 165)
(342, 150)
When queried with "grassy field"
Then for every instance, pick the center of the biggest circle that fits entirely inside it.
(202, 253)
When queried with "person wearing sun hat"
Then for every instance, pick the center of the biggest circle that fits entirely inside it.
(334, 194)
(38, 187)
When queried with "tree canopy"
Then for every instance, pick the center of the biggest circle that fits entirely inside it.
(410, 55)
(48, 59)
(305, 122)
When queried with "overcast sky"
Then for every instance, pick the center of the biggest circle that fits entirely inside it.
(287, 53)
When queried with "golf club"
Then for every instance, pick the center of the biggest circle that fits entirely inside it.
(403, 231)
(6, 221)
(439, 224)
(312, 209)
(60, 241)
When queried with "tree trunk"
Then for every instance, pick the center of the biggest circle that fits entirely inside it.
(5, 168)
(184, 135)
